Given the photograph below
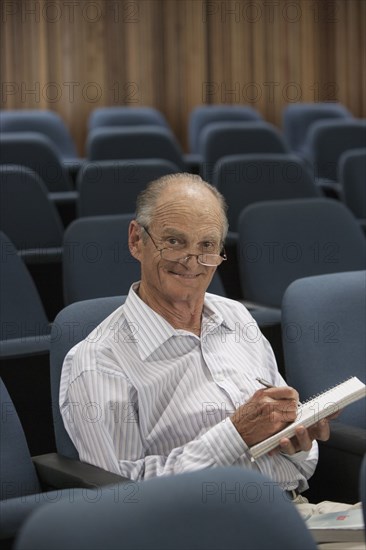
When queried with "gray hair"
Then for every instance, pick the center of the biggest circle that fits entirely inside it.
(147, 199)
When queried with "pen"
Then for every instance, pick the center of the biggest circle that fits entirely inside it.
(269, 385)
(265, 383)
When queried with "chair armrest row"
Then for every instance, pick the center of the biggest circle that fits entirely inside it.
(57, 471)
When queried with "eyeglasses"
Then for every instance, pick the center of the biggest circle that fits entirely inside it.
(211, 260)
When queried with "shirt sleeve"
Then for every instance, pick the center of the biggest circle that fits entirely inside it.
(100, 416)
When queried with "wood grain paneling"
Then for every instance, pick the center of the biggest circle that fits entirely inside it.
(74, 56)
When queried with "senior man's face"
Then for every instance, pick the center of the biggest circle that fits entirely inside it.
(188, 220)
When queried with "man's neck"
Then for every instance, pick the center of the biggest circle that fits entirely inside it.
(182, 316)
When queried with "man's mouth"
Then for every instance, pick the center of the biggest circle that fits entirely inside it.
(185, 275)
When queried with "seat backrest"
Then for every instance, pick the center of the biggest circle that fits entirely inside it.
(323, 328)
(22, 312)
(220, 139)
(112, 186)
(18, 475)
(234, 508)
(352, 177)
(126, 116)
(97, 261)
(245, 179)
(207, 114)
(72, 325)
(327, 140)
(134, 142)
(298, 117)
(280, 241)
(48, 123)
(37, 152)
(27, 215)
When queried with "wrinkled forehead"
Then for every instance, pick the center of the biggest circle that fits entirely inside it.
(191, 209)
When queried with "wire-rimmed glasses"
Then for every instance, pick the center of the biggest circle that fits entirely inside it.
(171, 255)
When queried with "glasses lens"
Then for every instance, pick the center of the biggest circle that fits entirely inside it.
(204, 259)
(210, 259)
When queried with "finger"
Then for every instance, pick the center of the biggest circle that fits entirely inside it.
(304, 439)
(282, 392)
(279, 415)
(287, 446)
(321, 430)
(334, 415)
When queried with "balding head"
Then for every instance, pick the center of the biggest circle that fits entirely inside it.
(167, 188)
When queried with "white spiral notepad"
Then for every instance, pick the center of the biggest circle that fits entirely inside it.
(313, 410)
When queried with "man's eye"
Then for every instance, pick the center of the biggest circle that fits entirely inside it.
(209, 246)
(172, 241)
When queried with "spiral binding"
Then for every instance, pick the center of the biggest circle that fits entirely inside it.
(325, 392)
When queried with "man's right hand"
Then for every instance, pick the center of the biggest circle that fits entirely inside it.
(267, 412)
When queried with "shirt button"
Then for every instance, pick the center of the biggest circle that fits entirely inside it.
(220, 378)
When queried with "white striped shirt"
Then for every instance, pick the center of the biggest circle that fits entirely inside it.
(142, 399)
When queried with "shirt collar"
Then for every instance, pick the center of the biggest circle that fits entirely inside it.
(153, 330)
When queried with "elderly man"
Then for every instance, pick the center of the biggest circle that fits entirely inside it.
(174, 370)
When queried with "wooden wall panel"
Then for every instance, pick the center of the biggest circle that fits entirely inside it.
(174, 54)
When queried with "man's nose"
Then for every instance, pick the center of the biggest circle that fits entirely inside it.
(186, 259)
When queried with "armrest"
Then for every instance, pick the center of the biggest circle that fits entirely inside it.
(57, 471)
(41, 255)
(15, 348)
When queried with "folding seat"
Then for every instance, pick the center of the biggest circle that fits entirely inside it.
(207, 114)
(33, 224)
(24, 345)
(97, 261)
(298, 117)
(352, 178)
(48, 123)
(324, 328)
(227, 507)
(220, 139)
(28, 216)
(27, 485)
(126, 116)
(325, 143)
(111, 187)
(281, 241)
(72, 324)
(37, 152)
(63, 468)
(245, 179)
(25, 328)
(134, 142)
(21, 486)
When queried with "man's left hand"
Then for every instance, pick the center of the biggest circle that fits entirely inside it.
(304, 438)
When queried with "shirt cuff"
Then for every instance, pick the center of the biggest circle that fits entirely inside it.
(298, 457)
(224, 443)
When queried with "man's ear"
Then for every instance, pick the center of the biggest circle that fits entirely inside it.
(135, 239)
